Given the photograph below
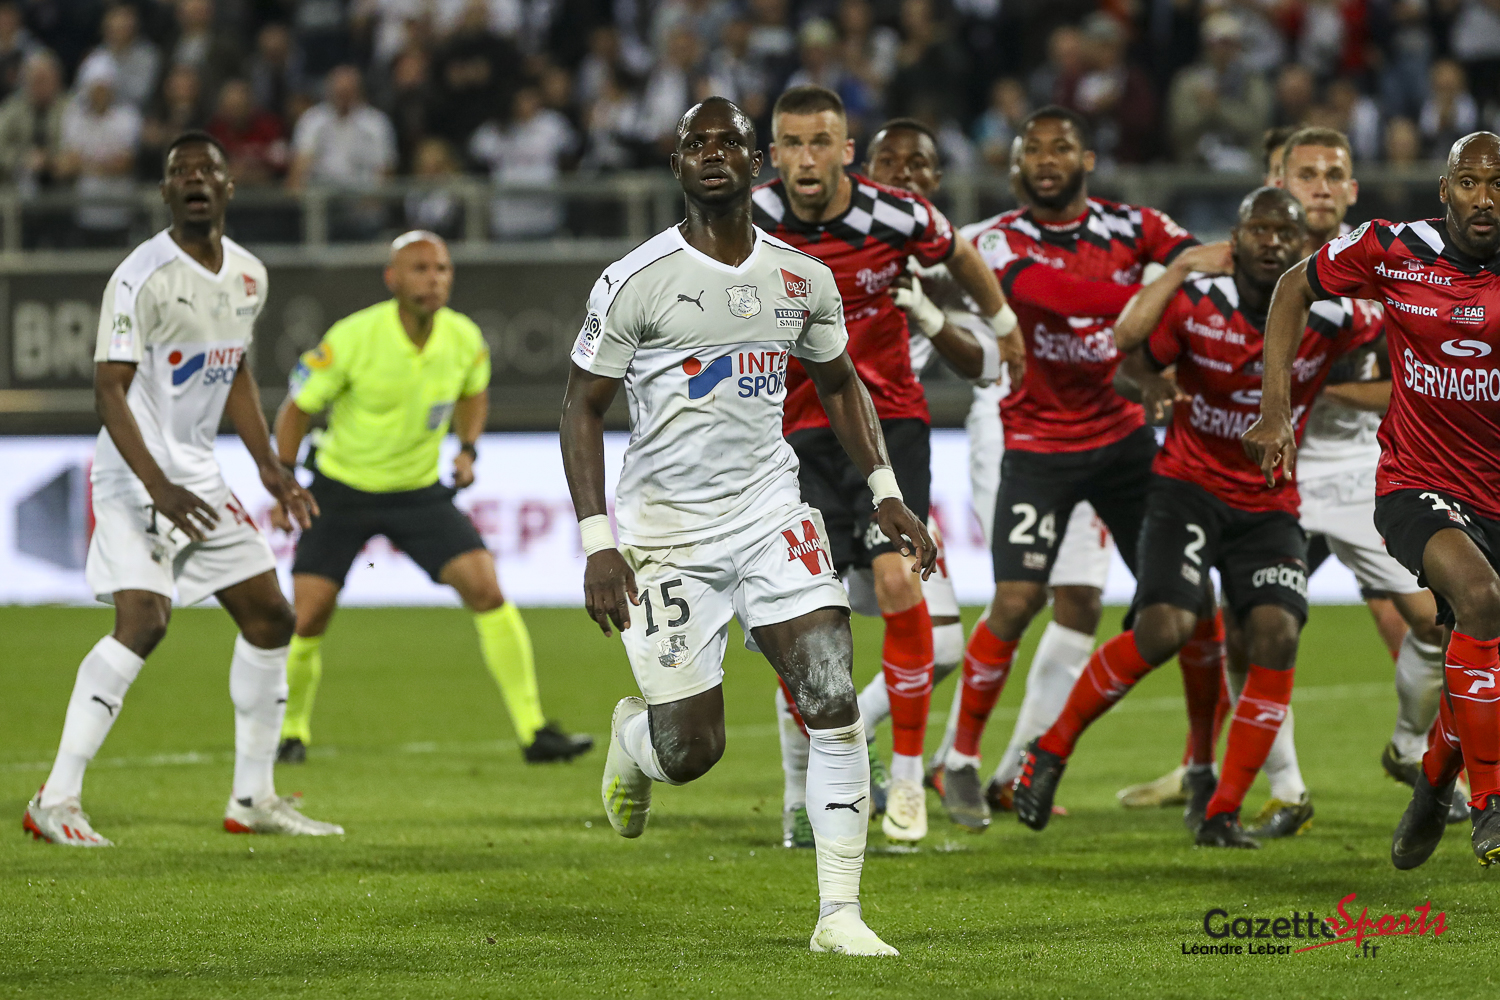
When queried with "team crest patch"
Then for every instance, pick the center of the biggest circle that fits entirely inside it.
(743, 302)
(319, 357)
(250, 287)
(991, 241)
(673, 651)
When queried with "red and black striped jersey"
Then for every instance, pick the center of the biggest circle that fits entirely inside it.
(866, 247)
(1067, 401)
(1442, 309)
(1219, 354)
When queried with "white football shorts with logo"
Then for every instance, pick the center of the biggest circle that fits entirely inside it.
(1341, 508)
(1083, 555)
(134, 548)
(771, 571)
(937, 590)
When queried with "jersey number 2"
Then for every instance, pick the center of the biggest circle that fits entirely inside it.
(667, 601)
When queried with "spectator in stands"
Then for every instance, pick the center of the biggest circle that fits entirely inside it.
(1262, 44)
(412, 105)
(31, 125)
(253, 138)
(100, 138)
(928, 66)
(1115, 97)
(342, 142)
(610, 122)
(529, 149)
(320, 29)
(1403, 143)
(820, 66)
(773, 44)
(1355, 115)
(1053, 82)
(869, 49)
(997, 126)
(1450, 111)
(216, 57)
(705, 18)
(137, 61)
(675, 83)
(176, 109)
(1476, 44)
(275, 72)
(432, 203)
(476, 72)
(1320, 43)
(601, 63)
(1218, 107)
(16, 46)
(737, 76)
(555, 84)
(1296, 93)
(1406, 45)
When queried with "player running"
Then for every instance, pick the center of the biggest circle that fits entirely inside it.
(1435, 500)
(396, 375)
(865, 232)
(1208, 507)
(177, 319)
(1069, 437)
(700, 322)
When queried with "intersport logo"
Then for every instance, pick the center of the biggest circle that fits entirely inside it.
(1467, 348)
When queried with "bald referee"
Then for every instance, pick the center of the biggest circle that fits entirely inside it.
(394, 376)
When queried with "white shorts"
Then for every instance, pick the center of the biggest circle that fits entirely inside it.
(937, 590)
(1341, 508)
(773, 571)
(1083, 555)
(134, 548)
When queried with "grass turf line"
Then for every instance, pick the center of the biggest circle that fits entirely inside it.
(453, 842)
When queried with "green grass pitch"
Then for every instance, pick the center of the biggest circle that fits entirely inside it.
(465, 873)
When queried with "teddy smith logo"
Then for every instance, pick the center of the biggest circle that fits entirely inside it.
(1308, 932)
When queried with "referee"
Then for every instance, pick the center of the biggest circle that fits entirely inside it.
(395, 374)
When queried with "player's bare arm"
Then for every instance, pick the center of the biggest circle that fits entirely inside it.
(189, 512)
(851, 414)
(1146, 308)
(1271, 441)
(291, 427)
(608, 583)
(469, 416)
(293, 503)
(1157, 391)
(960, 347)
(1371, 397)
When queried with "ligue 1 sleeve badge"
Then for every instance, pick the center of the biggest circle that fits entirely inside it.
(743, 302)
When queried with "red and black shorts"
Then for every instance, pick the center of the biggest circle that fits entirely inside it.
(1407, 520)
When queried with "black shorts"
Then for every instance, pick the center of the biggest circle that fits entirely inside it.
(831, 483)
(422, 523)
(1038, 491)
(1407, 520)
(1261, 556)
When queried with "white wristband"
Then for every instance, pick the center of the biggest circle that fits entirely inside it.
(883, 484)
(1004, 321)
(989, 367)
(596, 534)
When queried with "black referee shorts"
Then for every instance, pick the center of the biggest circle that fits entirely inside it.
(1407, 520)
(831, 483)
(422, 523)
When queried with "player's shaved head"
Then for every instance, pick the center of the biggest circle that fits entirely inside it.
(1270, 201)
(413, 237)
(736, 113)
(1470, 187)
(420, 274)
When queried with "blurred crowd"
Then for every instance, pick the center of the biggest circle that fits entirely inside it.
(347, 93)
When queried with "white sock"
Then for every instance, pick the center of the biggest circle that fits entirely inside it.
(874, 708)
(794, 751)
(947, 650)
(1419, 685)
(950, 731)
(838, 804)
(905, 768)
(1060, 658)
(258, 688)
(103, 678)
(635, 739)
(1281, 768)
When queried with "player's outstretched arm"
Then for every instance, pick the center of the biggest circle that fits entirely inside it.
(608, 583)
(184, 508)
(243, 409)
(1156, 391)
(1371, 397)
(1146, 308)
(1272, 441)
(975, 277)
(972, 354)
(852, 416)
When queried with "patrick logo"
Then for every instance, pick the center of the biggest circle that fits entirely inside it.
(797, 287)
(809, 548)
(702, 379)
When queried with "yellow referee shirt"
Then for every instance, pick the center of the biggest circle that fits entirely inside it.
(391, 403)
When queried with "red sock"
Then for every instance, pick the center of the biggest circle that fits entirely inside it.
(791, 703)
(1444, 757)
(1202, 664)
(1221, 709)
(1470, 679)
(1257, 719)
(907, 661)
(1112, 671)
(986, 666)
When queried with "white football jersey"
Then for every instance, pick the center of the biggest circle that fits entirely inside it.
(703, 349)
(186, 330)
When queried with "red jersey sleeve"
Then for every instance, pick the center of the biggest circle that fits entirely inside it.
(1162, 239)
(1164, 346)
(934, 243)
(1346, 266)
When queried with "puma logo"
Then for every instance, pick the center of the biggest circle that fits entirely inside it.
(697, 302)
(851, 806)
(107, 706)
(608, 282)
(185, 302)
